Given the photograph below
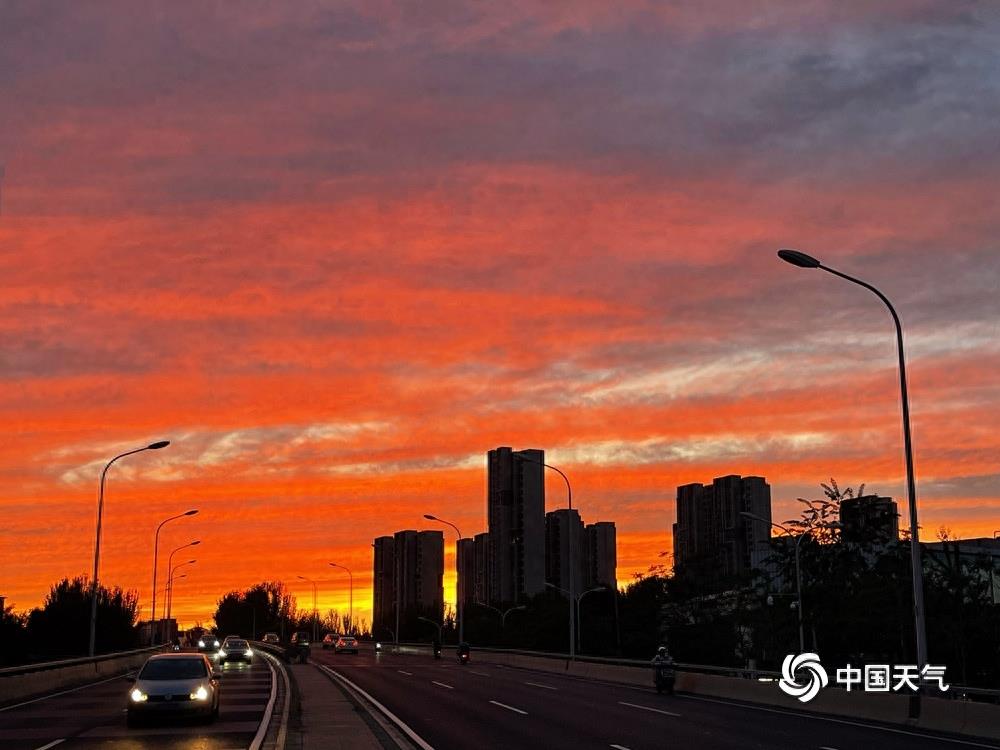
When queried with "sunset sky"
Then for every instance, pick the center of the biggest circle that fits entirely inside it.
(336, 252)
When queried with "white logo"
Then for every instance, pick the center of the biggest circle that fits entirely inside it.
(790, 669)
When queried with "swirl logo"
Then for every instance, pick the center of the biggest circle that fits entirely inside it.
(816, 676)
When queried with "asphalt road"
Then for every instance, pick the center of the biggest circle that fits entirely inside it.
(94, 717)
(483, 705)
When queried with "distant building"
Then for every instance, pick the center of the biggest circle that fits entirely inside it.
(419, 572)
(600, 555)
(384, 593)
(869, 520)
(465, 565)
(978, 558)
(713, 543)
(515, 505)
(564, 532)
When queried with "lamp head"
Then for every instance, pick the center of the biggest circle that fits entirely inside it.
(798, 259)
(195, 543)
(429, 517)
(191, 513)
(157, 445)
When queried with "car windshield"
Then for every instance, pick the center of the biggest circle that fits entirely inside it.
(236, 644)
(173, 669)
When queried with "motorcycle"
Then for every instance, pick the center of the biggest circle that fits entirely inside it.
(463, 658)
(663, 678)
(437, 652)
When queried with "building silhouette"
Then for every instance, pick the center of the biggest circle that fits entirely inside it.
(481, 552)
(419, 573)
(384, 592)
(465, 567)
(713, 542)
(515, 505)
(869, 520)
(600, 555)
(564, 528)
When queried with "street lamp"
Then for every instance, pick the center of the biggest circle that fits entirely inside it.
(315, 611)
(575, 601)
(435, 624)
(503, 615)
(97, 542)
(458, 599)
(351, 599)
(170, 563)
(569, 541)
(156, 546)
(798, 570)
(802, 260)
(170, 586)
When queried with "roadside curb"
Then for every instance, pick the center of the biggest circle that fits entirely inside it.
(273, 730)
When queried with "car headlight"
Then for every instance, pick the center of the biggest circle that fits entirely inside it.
(222, 652)
(201, 644)
(138, 696)
(201, 694)
(248, 652)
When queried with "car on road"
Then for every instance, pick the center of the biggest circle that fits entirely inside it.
(172, 685)
(329, 640)
(209, 643)
(271, 638)
(346, 644)
(235, 649)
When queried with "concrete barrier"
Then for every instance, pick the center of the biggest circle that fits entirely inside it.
(43, 680)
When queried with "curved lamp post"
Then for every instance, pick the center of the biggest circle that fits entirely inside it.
(351, 595)
(571, 555)
(156, 546)
(575, 600)
(802, 260)
(798, 570)
(97, 542)
(503, 615)
(170, 585)
(170, 563)
(458, 599)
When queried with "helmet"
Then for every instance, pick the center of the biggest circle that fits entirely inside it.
(662, 650)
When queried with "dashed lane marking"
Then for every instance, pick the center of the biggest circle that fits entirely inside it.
(51, 744)
(509, 708)
(408, 674)
(442, 684)
(648, 708)
(540, 685)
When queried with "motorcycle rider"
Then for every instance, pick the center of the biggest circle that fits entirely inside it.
(463, 652)
(663, 670)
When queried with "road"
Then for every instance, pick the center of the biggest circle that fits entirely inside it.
(94, 717)
(483, 705)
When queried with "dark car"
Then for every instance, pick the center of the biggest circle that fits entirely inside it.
(235, 649)
(298, 647)
(329, 640)
(271, 638)
(209, 643)
(346, 643)
(174, 684)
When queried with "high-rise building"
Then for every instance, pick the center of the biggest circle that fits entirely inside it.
(419, 572)
(713, 542)
(869, 520)
(465, 565)
(481, 553)
(601, 555)
(384, 594)
(565, 546)
(515, 505)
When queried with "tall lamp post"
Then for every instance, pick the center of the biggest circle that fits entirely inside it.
(170, 563)
(351, 594)
(97, 541)
(503, 615)
(571, 555)
(156, 547)
(802, 260)
(170, 585)
(315, 611)
(798, 571)
(458, 598)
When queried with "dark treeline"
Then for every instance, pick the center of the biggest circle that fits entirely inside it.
(60, 628)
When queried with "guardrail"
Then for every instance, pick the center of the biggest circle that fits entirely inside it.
(46, 665)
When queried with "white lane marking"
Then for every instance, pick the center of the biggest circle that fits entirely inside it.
(826, 747)
(619, 747)
(442, 684)
(265, 720)
(648, 708)
(935, 737)
(420, 741)
(51, 744)
(509, 708)
(481, 674)
(538, 684)
(408, 674)
(64, 692)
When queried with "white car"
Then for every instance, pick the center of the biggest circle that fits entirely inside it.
(174, 684)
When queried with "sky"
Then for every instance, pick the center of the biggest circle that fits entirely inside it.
(335, 252)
